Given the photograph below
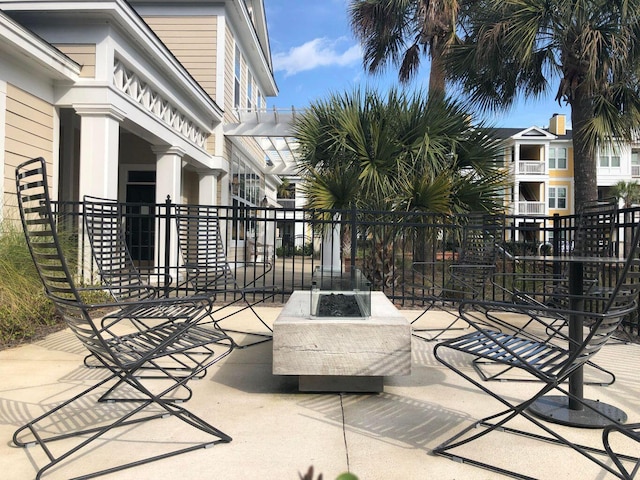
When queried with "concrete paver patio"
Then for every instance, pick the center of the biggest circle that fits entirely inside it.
(279, 432)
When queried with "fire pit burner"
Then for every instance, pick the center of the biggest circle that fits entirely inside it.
(338, 305)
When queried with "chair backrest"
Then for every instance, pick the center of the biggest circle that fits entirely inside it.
(617, 302)
(39, 226)
(202, 248)
(476, 263)
(103, 222)
(479, 237)
(595, 232)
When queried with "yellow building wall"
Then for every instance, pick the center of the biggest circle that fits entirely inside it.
(563, 178)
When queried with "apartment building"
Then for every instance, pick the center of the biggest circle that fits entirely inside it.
(541, 164)
(131, 100)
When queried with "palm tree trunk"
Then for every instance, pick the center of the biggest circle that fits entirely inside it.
(585, 170)
(437, 74)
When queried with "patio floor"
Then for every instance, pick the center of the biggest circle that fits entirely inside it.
(278, 432)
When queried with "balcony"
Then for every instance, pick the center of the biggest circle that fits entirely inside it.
(531, 208)
(531, 167)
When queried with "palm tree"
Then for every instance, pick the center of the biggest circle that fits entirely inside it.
(399, 32)
(405, 152)
(591, 46)
(628, 192)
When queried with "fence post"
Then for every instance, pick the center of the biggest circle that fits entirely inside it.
(555, 244)
(354, 240)
(167, 245)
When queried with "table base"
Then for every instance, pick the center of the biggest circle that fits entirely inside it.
(555, 408)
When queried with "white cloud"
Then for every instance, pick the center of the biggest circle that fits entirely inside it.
(319, 52)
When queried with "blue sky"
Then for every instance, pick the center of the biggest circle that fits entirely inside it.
(315, 54)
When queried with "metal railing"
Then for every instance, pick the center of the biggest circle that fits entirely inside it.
(531, 167)
(285, 246)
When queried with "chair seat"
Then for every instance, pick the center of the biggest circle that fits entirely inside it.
(540, 359)
(132, 348)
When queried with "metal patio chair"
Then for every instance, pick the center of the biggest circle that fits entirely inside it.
(594, 237)
(209, 272)
(104, 225)
(76, 427)
(126, 282)
(497, 338)
(468, 275)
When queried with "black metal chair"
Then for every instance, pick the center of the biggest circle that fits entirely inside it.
(209, 272)
(126, 282)
(468, 275)
(103, 220)
(497, 338)
(594, 237)
(631, 431)
(98, 327)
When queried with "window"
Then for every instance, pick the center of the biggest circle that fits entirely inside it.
(609, 159)
(245, 188)
(558, 158)
(249, 92)
(557, 197)
(635, 163)
(237, 77)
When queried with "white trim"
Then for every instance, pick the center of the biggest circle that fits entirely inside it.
(22, 45)
(220, 60)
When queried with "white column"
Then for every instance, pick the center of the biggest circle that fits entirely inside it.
(168, 173)
(99, 141)
(168, 183)
(208, 187)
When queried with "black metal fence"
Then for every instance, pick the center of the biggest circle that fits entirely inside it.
(285, 246)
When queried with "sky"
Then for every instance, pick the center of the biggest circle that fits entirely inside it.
(315, 54)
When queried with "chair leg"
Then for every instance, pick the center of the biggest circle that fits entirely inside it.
(262, 337)
(89, 435)
(417, 332)
(490, 424)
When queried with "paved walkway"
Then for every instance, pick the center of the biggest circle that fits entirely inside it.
(278, 432)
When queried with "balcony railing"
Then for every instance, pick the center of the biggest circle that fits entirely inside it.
(528, 167)
(531, 208)
(290, 244)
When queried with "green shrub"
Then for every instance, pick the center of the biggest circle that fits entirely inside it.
(25, 311)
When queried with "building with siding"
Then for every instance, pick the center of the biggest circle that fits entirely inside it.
(541, 164)
(129, 100)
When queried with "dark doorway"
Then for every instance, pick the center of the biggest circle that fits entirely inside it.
(140, 218)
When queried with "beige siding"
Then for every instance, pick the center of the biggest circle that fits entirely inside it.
(29, 126)
(193, 42)
(210, 144)
(229, 53)
(190, 187)
(84, 55)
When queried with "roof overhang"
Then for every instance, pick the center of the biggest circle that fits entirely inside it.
(30, 50)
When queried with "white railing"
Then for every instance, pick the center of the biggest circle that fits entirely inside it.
(128, 82)
(528, 167)
(531, 208)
